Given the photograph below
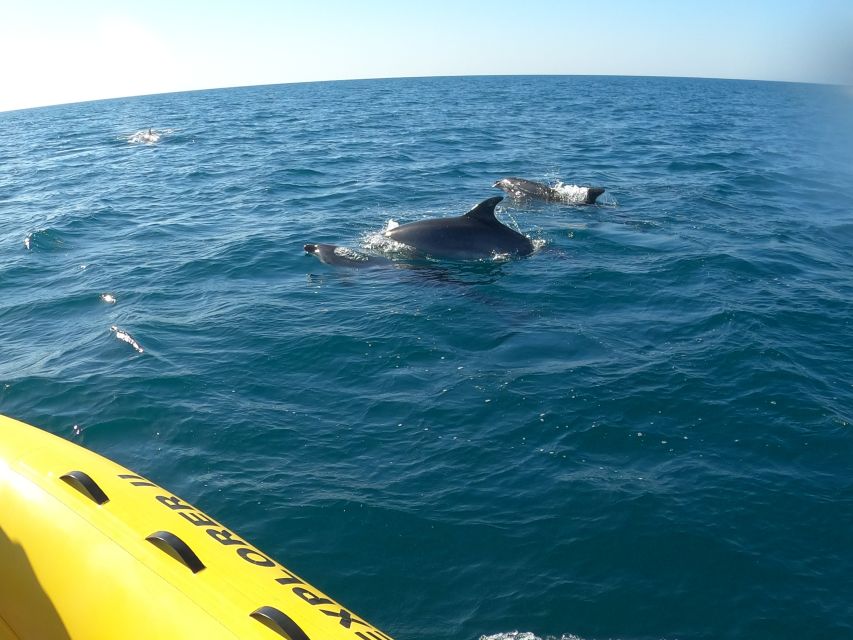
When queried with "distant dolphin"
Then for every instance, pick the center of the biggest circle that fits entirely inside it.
(521, 188)
(476, 234)
(148, 137)
(344, 257)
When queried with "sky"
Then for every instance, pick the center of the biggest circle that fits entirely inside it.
(55, 51)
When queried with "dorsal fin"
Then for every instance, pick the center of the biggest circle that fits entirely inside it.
(485, 211)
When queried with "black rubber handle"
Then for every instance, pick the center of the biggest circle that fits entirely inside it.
(279, 622)
(177, 548)
(85, 485)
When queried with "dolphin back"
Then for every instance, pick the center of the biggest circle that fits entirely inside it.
(520, 187)
(473, 235)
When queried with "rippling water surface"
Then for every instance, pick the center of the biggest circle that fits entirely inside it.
(642, 430)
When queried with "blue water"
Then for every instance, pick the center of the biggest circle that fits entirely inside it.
(642, 430)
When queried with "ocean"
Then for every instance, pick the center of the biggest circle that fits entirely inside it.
(640, 431)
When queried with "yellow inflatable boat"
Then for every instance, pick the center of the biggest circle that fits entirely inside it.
(91, 550)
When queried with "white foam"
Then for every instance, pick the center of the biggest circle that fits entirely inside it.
(571, 192)
(108, 298)
(350, 254)
(124, 336)
(526, 635)
(381, 243)
(538, 243)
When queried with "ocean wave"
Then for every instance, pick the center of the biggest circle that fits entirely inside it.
(635, 412)
(527, 635)
(44, 240)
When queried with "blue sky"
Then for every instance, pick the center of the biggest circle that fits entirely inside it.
(57, 51)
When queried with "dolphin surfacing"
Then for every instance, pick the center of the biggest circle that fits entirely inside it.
(344, 257)
(474, 235)
(521, 188)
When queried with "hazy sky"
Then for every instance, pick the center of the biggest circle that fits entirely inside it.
(54, 51)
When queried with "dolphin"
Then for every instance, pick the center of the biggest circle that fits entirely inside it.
(344, 257)
(476, 234)
(521, 188)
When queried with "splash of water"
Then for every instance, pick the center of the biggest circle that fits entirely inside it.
(124, 336)
(571, 192)
(526, 635)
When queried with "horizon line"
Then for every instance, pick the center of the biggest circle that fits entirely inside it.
(422, 77)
